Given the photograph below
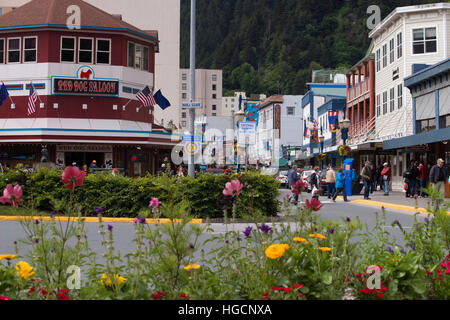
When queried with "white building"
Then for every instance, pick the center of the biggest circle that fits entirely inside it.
(413, 35)
(161, 15)
(231, 104)
(280, 124)
(208, 91)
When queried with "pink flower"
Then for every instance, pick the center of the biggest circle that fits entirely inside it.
(154, 203)
(72, 177)
(5, 298)
(12, 195)
(298, 187)
(233, 188)
(314, 204)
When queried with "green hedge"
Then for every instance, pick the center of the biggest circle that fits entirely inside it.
(125, 197)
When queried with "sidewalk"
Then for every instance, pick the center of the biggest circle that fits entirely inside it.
(395, 200)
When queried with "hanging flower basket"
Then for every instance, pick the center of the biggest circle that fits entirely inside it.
(322, 157)
(344, 150)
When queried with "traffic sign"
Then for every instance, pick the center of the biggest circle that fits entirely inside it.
(247, 133)
(191, 105)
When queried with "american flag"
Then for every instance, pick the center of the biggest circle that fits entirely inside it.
(146, 97)
(32, 100)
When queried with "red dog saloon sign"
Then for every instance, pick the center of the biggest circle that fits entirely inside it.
(85, 84)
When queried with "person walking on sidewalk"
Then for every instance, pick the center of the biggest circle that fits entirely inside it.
(340, 185)
(373, 182)
(314, 182)
(386, 176)
(331, 180)
(423, 177)
(410, 176)
(438, 174)
(293, 178)
(366, 174)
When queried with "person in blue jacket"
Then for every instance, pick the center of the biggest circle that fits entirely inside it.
(340, 185)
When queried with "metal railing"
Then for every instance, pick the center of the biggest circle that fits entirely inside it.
(362, 131)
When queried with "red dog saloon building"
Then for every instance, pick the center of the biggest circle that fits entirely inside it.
(86, 80)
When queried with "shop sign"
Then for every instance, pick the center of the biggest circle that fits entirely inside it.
(83, 148)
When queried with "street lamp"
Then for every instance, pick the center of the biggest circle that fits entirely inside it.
(321, 140)
(345, 124)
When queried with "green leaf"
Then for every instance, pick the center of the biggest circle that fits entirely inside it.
(327, 278)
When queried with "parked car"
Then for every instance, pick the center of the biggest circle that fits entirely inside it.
(282, 177)
(305, 176)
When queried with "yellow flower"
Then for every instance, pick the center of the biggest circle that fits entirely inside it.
(299, 239)
(117, 279)
(191, 266)
(395, 259)
(24, 270)
(275, 251)
(325, 249)
(307, 242)
(318, 235)
(7, 256)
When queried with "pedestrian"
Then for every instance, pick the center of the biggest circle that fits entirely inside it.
(423, 178)
(293, 178)
(438, 174)
(340, 185)
(93, 165)
(331, 181)
(180, 172)
(314, 183)
(386, 176)
(410, 176)
(161, 170)
(366, 175)
(373, 182)
(85, 170)
(114, 172)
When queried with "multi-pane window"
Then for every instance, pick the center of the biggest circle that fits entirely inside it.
(2, 51)
(214, 87)
(67, 49)
(290, 111)
(392, 100)
(399, 96)
(378, 60)
(184, 95)
(13, 50)
(184, 86)
(384, 55)
(183, 115)
(86, 48)
(131, 53)
(184, 76)
(214, 107)
(391, 51)
(385, 102)
(214, 77)
(214, 96)
(104, 51)
(214, 114)
(425, 125)
(30, 49)
(183, 123)
(424, 40)
(145, 62)
(399, 45)
(138, 56)
(378, 105)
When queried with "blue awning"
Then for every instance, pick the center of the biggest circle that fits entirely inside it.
(418, 139)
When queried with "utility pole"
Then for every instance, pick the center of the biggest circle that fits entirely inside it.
(191, 170)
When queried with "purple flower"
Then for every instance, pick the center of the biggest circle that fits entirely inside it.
(397, 222)
(389, 249)
(331, 231)
(247, 232)
(227, 242)
(403, 250)
(52, 214)
(348, 219)
(382, 208)
(36, 240)
(265, 228)
(110, 227)
(225, 208)
(36, 222)
(191, 246)
(141, 219)
(15, 242)
(238, 239)
(99, 210)
(426, 220)
(85, 236)
(234, 202)
(315, 229)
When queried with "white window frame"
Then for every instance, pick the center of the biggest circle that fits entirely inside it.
(183, 76)
(20, 50)
(214, 77)
(143, 47)
(378, 105)
(79, 49)
(184, 86)
(74, 49)
(378, 59)
(384, 52)
(392, 99)
(96, 50)
(399, 45)
(399, 96)
(385, 102)
(290, 108)
(424, 41)
(391, 51)
(128, 55)
(23, 49)
(184, 95)
(4, 51)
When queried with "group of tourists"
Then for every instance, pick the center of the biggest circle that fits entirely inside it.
(417, 176)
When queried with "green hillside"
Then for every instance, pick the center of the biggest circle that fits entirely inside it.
(270, 46)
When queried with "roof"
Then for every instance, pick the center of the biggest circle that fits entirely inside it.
(272, 99)
(399, 11)
(52, 13)
(431, 71)
(329, 89)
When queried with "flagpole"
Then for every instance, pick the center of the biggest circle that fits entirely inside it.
(36, 92)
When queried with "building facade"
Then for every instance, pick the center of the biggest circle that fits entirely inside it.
(208, 91)
(408, 36)
(86, 81)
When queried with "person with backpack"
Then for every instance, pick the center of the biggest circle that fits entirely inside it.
(366, 174)
(386, 176)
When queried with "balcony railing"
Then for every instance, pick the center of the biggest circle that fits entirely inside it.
(358, 89)
(362, 131)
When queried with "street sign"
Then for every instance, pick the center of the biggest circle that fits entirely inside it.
(190, 138)
(247, 133)
(191, 105)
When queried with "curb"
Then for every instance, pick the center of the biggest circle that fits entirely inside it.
(392, 206)
(94, 219)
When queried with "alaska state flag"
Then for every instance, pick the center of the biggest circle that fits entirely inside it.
(161, 100)
(3, 94)
(305, 131)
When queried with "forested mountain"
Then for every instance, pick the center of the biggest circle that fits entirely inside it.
(270, 46)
